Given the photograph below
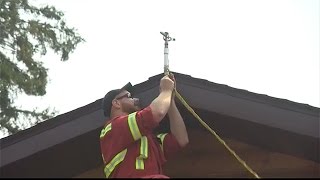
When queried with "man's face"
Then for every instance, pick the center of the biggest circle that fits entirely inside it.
(128, 104)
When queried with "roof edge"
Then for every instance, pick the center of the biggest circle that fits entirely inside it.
(240, 93)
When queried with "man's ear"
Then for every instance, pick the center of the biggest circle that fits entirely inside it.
(116, 103)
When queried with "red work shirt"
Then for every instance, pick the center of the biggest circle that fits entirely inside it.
(117, 136)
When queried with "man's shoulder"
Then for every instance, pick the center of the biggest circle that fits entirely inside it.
(117, 118)
(148, 108)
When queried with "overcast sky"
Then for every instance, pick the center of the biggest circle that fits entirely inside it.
(267, 47)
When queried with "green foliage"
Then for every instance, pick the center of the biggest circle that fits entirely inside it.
(27, 31)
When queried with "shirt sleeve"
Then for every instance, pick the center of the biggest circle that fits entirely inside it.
(122, 131)
(169, 145)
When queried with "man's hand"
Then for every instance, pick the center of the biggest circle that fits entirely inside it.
(166, 84)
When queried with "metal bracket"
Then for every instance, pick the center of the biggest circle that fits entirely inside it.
(167, 38)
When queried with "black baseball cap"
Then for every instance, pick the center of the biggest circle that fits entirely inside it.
(108, 98)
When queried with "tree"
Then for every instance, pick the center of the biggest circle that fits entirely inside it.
(27, 31)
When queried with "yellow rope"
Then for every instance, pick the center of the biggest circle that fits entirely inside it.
(215, 134)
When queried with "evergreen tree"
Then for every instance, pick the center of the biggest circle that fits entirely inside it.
(25, 32)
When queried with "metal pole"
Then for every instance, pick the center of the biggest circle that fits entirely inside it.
(166, 38)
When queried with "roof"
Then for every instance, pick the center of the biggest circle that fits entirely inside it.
(261, 120)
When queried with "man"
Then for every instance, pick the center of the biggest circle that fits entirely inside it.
(129, 147)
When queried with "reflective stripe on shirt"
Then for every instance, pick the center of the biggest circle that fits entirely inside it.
(143, 153)
(162, 136)
(114, 162)
(134, 126)
(105, 130)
